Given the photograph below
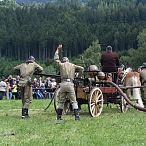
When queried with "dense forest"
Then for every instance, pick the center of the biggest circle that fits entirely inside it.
(37, 29)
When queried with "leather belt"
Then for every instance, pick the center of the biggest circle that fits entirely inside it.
(67, 80)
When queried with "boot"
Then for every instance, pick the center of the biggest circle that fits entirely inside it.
(59, 114)
(25, 113)
(76, 113)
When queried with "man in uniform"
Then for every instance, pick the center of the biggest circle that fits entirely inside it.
(26, 70)
(110, 61)
(67, 72)
(142, 71)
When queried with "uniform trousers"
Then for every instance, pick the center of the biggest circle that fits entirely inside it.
(67, 91)
(26, 95)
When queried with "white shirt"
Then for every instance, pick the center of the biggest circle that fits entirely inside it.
(3, 86)
(53, 84)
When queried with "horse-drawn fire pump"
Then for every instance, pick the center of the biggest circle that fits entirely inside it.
(97, 88)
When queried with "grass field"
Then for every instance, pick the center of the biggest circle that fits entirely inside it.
(111, 128)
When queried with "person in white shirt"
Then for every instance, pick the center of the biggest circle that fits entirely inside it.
(53, 84)
(3, 87)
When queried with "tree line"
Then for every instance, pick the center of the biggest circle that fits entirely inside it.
(37, 29)
(84, 30)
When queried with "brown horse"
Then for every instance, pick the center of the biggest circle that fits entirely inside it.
(132, 78)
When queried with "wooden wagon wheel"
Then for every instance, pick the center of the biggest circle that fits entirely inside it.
(67, 107)
(123, 104)
(95, 103)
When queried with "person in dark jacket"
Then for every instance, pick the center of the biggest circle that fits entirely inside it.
(110, 61)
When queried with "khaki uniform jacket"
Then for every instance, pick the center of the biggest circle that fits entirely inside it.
(143, 81)
(67, 69)
(27, 69)
(143, 75)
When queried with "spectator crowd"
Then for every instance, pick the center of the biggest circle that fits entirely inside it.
(42, 88)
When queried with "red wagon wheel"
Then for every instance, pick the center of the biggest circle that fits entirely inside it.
(67, 108)
(95, 102)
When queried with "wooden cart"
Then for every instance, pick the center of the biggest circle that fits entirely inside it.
(94, 91)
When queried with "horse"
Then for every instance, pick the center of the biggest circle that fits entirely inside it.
(132, 78)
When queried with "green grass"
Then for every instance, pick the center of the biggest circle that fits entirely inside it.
(111, 128)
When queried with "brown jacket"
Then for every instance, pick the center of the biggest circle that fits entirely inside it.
(109, 61)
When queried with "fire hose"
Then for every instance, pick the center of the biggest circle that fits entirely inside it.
(136, 106)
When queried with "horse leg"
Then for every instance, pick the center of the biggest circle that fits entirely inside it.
(137, 96)
(129, 94)
(137, 92)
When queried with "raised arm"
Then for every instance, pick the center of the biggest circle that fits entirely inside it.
(56, 55)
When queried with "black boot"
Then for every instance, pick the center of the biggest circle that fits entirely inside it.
(59, 114)
(25, 113)
(76, 113)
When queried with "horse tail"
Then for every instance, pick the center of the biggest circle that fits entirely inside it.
(137, 91)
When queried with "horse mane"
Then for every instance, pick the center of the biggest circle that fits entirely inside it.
(129, 69)
(125, 72)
